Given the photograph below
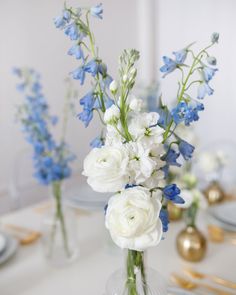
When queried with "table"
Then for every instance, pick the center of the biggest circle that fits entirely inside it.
(29, 274)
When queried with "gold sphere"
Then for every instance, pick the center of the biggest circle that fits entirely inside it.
(191, 244)
(214, 193)
(175, 213)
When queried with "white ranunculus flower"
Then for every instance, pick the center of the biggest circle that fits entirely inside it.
(106, 168)
(112, 114)
(132, 217)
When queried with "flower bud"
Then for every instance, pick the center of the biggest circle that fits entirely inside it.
(112, 114)
(211, 60)
(125, 78)
(215, 37)
(113, 87)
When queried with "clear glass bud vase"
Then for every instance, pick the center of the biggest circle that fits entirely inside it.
(136, 278)
(59, 231)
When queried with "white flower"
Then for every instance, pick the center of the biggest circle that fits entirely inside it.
(113, 86)
(106, 168)
(142, 128)
(141, 165)
(113, 137)
(112, 114)
(191, 196)
(135, 103)
(132, 218)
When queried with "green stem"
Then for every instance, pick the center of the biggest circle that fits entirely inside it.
(56, 186)
(191, 214)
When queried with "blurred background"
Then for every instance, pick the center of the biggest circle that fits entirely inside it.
(155, 27)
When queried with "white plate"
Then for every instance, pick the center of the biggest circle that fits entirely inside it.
(225, 226)
(3, 242)
(10, 250)
(84, 197)
(225, 213)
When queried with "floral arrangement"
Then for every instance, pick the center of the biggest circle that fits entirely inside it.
(135, 151)
(51, 159)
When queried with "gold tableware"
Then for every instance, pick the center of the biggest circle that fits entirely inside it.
(190, 285)
(218, 235)
(191, 244)
(175, 213)
(199, 275)
(24, 235)
(214, 193)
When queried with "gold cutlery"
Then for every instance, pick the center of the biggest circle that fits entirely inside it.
(24, 235)
(218, 235)
(190, 285)
(199, 275)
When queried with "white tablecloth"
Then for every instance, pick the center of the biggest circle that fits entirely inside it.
(29, 274)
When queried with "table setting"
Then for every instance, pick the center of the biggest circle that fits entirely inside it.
(149, 210)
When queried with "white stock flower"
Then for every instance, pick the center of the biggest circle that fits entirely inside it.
(135, 104)
(113, 86)
(112, 114)
(106, 168)
(141, 165)
(132, 217)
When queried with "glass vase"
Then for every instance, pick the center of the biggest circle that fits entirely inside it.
(59, 231)
(136, 278)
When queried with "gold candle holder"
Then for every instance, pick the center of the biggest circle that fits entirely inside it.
(175, 213)
(214, 193)
(191, 244)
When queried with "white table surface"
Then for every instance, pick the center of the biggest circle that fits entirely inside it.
(27, 273)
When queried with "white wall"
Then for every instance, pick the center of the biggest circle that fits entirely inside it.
(182, 21)
(29, 38)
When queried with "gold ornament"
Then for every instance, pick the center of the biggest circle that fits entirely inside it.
(191, 244)
(214, 193)
(175, 213)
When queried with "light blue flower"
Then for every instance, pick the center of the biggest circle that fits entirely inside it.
(179, 112)
(180, 56)
(77, 51)
(86, 116)
(164, 216)
(203, 90)
(169, 65)
(97, 11)
(215, 37)
(88, 101)
(66, 15)
(92, 67)
(79, 74)
(97, 142)
(72, 31)
(186, 149)
(208, 73)
(61, 21)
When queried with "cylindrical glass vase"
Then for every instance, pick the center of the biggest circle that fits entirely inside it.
(59, 231)
(136, 278)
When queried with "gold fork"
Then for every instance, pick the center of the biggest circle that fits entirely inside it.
(24, 235)
(218, 235)
(190, 285)
(199, 275)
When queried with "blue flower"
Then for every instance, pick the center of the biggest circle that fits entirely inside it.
(169, 65)
(97, 142)
(171, 192)
(208, 73)
(77, 51)
(179, 112)
(97, 11)
(171, 158)
(79, 74)
(203, 90)
(62, 20)
(86, 116)
(164, 216)
(180, 56)
(88, 101)
(72, 31)
(92, 67)
(186, 149)
(165, 116)
(215, 37)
